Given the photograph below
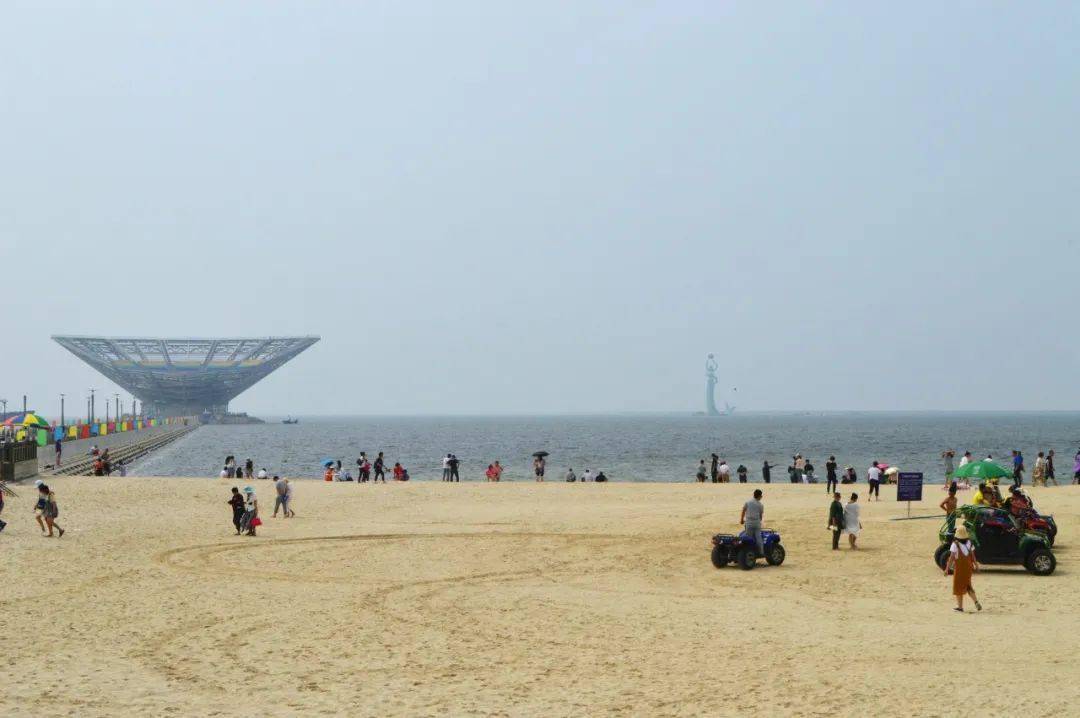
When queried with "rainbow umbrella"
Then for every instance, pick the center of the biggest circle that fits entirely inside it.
(27, 419)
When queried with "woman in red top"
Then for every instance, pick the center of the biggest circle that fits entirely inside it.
(490, 473)
(398, 471)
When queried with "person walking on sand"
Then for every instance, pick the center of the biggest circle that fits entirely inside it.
(251, 511)
(1018, 468)
(1038, 471)
(51, 510)
(59, 451)
(962, 563)
(947, 459)
(873, 477)
(836, 520)
(1050, 475)
(830, 475)
(948, 505)
(289, 499)
(39, 506)
(751, 518)
(852, 524)
(380, 468)
(702, 472)
(237, 503)
(281, 498)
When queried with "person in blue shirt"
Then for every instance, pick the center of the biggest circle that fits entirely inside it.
(1018, 469)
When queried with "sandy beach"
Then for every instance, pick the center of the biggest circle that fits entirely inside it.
(515, 599)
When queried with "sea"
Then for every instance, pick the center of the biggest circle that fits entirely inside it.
(637, 448)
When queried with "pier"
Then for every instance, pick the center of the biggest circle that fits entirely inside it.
(76, 459)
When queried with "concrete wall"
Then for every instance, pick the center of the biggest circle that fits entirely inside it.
(26, 469)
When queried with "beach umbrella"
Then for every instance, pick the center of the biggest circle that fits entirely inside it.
(27, 419)
(982, 470)
(540, 454)
(328, 462)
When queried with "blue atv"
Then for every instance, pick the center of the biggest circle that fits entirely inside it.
(741, 549)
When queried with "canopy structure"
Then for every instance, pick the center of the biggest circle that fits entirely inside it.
(185, 377)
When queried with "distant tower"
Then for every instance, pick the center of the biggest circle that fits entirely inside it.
(710, 386)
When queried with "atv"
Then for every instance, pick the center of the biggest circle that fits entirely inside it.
(741, 549)
(1032, 520)
(999, 538)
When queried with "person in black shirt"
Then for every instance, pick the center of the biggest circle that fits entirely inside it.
(380, 469)
(830, 475)
(454, 468)
(741, 471)
(714, 472)
(836, 520)
(237, 503)
(766, 472)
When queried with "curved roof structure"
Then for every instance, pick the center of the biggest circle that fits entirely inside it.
(178, 377)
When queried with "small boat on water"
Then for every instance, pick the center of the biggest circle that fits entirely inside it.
(290, 420)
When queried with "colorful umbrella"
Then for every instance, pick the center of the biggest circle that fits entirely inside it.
(27, 419)
(982, 470)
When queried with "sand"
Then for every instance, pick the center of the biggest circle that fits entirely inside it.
(512, 599)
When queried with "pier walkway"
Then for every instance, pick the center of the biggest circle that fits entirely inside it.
(123, 446)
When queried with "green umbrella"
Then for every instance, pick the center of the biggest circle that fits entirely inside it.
(982, 470)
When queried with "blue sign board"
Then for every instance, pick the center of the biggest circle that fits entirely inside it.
(909, 486)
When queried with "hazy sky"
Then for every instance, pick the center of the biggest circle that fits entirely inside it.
(552, 206)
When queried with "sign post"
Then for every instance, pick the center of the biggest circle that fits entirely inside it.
(909, 488)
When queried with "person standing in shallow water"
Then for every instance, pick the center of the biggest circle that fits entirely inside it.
(766, 472)
(963, 564)
(702, 472)
(714, 470)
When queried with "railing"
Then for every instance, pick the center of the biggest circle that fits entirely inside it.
(14, 452)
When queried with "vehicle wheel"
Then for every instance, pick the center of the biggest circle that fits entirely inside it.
(941, 556)
(775, 554)
(747, 557)
(719, 557)
(1041, 562)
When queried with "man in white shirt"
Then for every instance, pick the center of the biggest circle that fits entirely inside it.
(873, 476)
(966, 458)
(587, 476)
(724, 471)
(446, 468)
(262, 473)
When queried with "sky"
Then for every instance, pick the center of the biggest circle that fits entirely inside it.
(551, 207)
